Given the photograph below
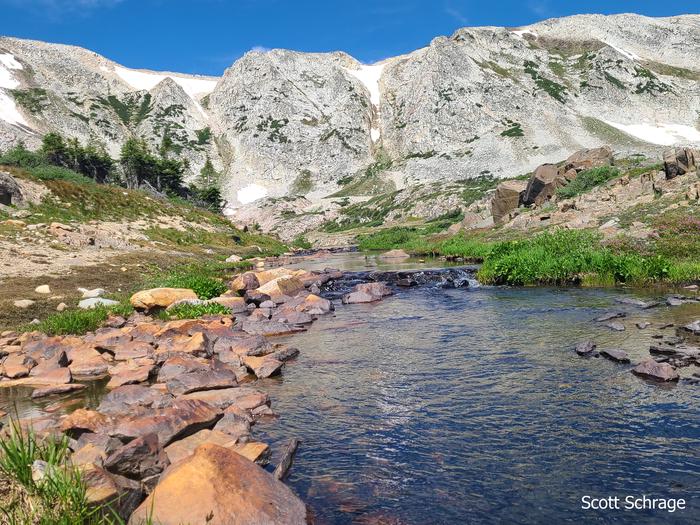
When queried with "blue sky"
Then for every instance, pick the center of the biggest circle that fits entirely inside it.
(206, 36)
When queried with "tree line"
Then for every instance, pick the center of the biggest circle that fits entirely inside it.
(137, 167)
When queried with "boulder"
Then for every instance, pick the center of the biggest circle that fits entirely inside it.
(280, 288)
(679, 161)
(133, 399)
(235, 304)
(83, 420)
(44, 289)
(619, 356)
(256, 297)
(264, 366)
(217, 486)
(314, 305)
(245, 398)
(234, 258)
(585, 348)
(244, 282)
(17, 365)
(57, 390)
(89, 304)
(235, 425)
(367, 293)
(23, 303)
(206, 379)
(269, 328)
(130, 375)
(618, 327)
(182, 418)
(394, 254)
(122, 495)
(138, 459)
(508, 197)
(257, 452)
(10, 191)
(650, 369)
(160, 297)
(586, 159)
(543, 184)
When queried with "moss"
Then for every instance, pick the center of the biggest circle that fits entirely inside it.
(557, 68)
(493, 66)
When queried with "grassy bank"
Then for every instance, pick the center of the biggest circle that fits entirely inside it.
(60, 497)
(563, 256)
(206, 279)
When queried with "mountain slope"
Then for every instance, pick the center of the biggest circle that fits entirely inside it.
(485, 100)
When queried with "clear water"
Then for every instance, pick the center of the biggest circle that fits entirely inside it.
(455, 406)
(470, 406)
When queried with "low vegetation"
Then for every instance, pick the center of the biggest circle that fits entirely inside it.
(195, 311)
(77, 321)
(57, 498)
(561, 256)
(587, 180)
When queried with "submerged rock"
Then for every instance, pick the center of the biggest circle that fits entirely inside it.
(585, 348)
(610, 316)
(618, 327)
(650, 369)
(619, 356)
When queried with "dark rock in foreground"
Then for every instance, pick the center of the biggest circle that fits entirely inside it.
(650, 369)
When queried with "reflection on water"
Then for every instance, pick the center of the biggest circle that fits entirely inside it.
(454, 406)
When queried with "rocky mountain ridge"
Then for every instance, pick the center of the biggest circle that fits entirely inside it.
(307, 129)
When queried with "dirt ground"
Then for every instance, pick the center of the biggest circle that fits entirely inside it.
(117, 273)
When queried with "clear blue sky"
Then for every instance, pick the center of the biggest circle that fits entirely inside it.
(206, 36)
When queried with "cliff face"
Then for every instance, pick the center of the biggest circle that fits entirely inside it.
(283, 124)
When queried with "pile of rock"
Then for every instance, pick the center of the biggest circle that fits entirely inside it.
(181, 399)
(670, 354)
(545, 181)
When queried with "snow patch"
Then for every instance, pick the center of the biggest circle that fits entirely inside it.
(662, 134)
(142, 80)
(623, 52)
(522, 32)
(252, 192)
(9, 112)
(7, 79)
(9, 61)
(370, 76)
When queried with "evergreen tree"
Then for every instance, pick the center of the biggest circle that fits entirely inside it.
(206, 187)
(54, 149)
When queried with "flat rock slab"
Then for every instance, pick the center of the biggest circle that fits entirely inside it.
(269, 328)
(619, 356)
(644, 305)
(57, 390)
(618, 327)
(610, 316)
(263, 367)
(182, 418)
(199, 380)
(128, 399)
(650, 369)
(243, 397)
(131, 376)
(217, 486)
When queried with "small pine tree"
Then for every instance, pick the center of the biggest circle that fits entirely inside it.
(206, 187)
(54, 149)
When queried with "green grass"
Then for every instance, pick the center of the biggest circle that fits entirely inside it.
(78, 322)
(195, 311)
(301, 242)
(559, 257)
(60, 498)
(203, 279)
(587, 180)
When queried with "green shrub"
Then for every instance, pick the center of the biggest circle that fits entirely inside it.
(301, 242)
(194, 311)
(587, 180)
(49, 172)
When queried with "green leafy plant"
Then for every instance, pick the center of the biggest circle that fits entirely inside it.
(587, 180)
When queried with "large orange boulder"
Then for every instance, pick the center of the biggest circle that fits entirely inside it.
(160, 297)
(217, 486)
(507, 198)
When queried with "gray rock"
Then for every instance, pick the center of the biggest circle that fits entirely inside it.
(619, 356)
(88, 304)
(618, 327)
(650, 369)
(585, 348)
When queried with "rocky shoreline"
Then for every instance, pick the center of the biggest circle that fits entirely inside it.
(182, 401)
(182, 394)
